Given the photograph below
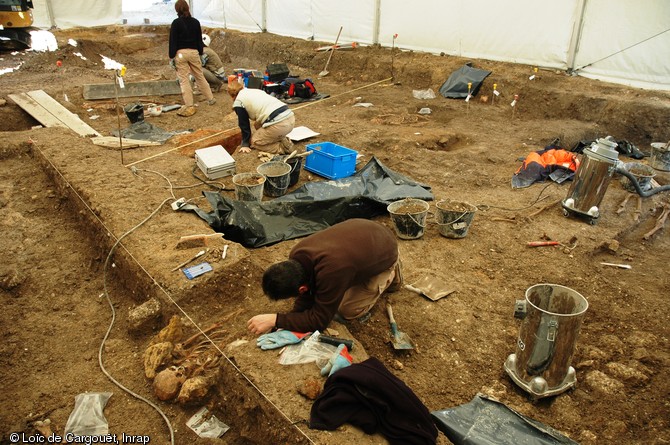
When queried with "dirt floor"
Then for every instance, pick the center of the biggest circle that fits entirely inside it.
(81, 227)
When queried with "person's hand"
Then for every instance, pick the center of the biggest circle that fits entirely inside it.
(245, 149)
(278, 339)
(340, 359)
(260, 324)
(173, 65)
(203, 59)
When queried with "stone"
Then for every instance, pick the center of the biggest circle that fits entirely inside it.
(145, 317)
(310, 388)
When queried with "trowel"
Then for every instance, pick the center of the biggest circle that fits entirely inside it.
(400, 339)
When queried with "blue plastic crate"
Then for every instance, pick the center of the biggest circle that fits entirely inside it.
(330, 160)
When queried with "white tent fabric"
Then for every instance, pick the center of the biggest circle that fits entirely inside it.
(623, 41)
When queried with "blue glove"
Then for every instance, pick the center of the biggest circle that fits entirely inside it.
(340, 359)
(203, 59)
(278, 339)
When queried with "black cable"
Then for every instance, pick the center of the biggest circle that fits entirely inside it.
(215, 185)
(485, 207)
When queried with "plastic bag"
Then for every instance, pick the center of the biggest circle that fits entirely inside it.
(308, 351)
(207, 425)
(424, 94)
(87, 418)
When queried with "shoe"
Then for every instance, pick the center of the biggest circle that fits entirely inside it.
(286, 144)
(338, 318)
(398, 281)
(186, 111)
(212, 101)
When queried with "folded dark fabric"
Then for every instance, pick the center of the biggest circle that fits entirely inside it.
(369, 396)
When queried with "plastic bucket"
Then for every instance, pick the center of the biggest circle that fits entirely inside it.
(408, 217)
(134, 112)
(547, 336)
(277, 177)
(249, 186)
(660, 156)
(296, 167)
(643, 175)
(454, 217)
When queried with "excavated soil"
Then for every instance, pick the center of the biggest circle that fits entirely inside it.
(82, 229)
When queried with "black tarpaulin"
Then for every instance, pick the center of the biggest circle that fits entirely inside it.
(456, 86)
(485, 421)
(313, 207)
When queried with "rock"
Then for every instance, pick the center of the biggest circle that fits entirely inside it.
(612, 344)
(157, 356)
(3, 102)
(310, 388)
(599, 381)
(611, 246)
(587, 437)
(626, 373)
(615, 430)
(194, 390)
(145, 317)
(398, 365)
(173, 332)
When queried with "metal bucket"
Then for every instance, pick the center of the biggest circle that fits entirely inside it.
(454, 217)
(277, 177)
(643, 175)
(552, 317)
(409, 217)
(592, 178)
(134, 112)
(249, 186)
(660, 156)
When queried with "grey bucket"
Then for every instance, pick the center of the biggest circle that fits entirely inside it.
(249, 186)
(134, 112)
(277, 177)
(552, 317)
(660, 156)
(643, 174)
(409, 217)
(454, 217)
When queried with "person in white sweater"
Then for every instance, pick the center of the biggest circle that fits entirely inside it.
(273, 120)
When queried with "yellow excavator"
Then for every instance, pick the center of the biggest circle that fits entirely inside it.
(16, 20)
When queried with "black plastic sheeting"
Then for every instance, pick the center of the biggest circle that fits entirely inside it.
(456, 86)
(485, 421)
(145, 131)
(310, 208)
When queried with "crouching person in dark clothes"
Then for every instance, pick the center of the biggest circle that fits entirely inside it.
(340, 271)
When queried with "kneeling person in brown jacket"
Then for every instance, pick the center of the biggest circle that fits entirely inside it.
(341, 270)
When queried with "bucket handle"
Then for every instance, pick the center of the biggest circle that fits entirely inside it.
(451, 222)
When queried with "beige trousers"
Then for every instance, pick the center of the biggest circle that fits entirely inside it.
(269, 139)
(188, 62)
(358, 300)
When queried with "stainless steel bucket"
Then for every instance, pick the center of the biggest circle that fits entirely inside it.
(592, 178)
(552, 317)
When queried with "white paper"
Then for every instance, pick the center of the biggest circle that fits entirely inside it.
(206, 425)
(301, 133)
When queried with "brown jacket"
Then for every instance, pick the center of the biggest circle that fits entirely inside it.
(335, 259)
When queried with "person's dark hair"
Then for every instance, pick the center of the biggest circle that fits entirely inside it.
(182, 9)
(282, 280)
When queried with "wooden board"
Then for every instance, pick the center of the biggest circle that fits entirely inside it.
(132, 89)
(48, 112)
(113, 142)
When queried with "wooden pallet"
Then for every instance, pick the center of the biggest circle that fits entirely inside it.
(48, 112)
(132, 89)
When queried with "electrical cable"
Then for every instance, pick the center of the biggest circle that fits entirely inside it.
(215, 185)
(484, 207)
(169, 297)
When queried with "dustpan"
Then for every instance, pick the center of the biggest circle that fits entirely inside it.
(430, 286)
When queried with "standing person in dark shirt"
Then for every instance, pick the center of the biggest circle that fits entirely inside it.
(185, 50)
(341, 270)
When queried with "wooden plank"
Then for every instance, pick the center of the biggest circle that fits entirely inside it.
(32, 107)
(113, 142)
(61, 113)
(132, 89)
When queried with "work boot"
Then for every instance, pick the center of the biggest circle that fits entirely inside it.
(398, 281)
(286, 145)
(186, 111)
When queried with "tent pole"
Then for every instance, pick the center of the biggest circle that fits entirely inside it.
(264, 18)
(376, 26)
(576, 35)
(50, 11)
